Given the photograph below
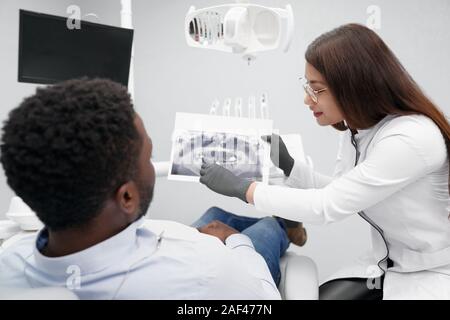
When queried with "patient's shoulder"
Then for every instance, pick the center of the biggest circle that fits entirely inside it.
(13, 258)
(171, 229)
(22, 244)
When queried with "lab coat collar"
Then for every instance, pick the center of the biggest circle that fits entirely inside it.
(361, 133)
(92, 259)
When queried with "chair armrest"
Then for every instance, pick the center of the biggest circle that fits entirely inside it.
(299, 278)
(161, 168)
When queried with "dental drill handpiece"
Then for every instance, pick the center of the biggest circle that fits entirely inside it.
(214, 107)
(251, 107)
(264, 107)
(238, 107)
(226, 112)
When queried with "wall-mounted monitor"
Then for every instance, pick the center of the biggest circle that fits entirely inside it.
(50, 52)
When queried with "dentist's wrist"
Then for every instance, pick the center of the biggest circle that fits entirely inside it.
(241, 189)
(249, 195)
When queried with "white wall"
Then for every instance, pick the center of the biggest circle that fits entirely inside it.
(171, 77)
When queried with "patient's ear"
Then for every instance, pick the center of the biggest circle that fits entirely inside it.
(127, 198)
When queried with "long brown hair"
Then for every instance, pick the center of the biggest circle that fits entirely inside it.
(368, 81)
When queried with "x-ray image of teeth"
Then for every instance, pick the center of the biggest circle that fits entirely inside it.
(241, 154)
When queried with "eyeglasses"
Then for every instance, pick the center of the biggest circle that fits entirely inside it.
(310, 91)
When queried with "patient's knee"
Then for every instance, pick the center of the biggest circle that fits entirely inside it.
(271, 224)
(214, 213)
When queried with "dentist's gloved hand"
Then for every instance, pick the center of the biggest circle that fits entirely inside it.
(279, 153)
(223, 181)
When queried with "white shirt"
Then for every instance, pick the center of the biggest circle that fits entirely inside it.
(150, 259)
(401, 184)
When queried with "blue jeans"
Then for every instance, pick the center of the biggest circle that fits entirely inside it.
(267, 234)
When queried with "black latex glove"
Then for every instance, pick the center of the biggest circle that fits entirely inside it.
(279, 153)
(223, 181)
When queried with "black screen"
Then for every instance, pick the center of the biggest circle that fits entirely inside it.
(50, 52)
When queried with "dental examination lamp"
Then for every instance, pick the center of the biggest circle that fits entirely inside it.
(240, 28)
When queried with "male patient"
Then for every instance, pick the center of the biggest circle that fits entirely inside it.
(78, 154)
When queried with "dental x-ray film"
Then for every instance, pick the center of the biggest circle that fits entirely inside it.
(232, 142)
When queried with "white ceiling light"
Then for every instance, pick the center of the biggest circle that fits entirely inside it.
(241, 28)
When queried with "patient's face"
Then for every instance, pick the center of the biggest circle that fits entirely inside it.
(146, 171)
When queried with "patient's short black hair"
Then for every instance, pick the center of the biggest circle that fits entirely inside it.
(67, 148)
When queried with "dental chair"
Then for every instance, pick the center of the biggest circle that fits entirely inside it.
(299, 276)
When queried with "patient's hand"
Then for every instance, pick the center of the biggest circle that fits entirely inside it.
(218, 229)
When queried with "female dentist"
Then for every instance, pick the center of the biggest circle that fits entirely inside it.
(392, 169)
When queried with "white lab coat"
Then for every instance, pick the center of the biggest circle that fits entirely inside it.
(401, 184)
